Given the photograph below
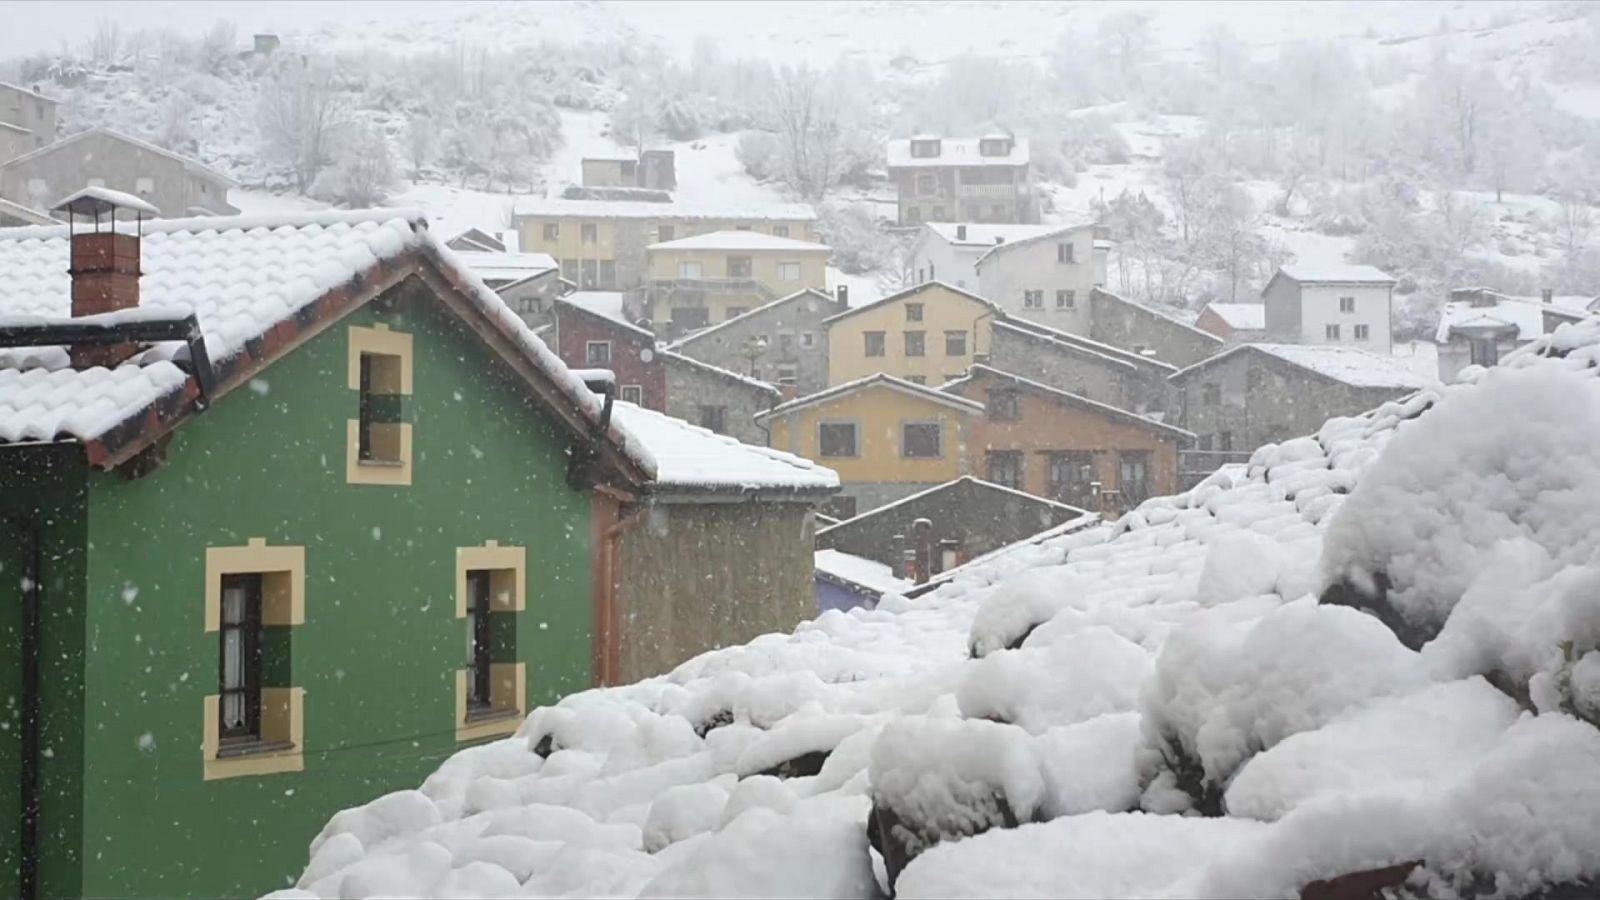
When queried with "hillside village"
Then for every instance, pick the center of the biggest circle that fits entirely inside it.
(885, 522)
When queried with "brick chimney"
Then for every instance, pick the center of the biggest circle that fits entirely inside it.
(1548, 295)
(842, 293)
(961, 232)
(104, 264)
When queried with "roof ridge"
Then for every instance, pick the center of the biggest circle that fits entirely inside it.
(242, 222)
(906, 292)
(118, 135)
(726, 373)
(1023, 242)
(1079, 398)
(694, 336)
(865, 381)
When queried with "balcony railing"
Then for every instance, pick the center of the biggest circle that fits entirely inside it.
(1194, 466)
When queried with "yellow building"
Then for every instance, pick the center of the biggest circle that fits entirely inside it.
(927, 335)
(600, 244)
(709, 278)
(886, 437)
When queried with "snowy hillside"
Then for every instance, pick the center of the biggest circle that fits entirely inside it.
(1159, 707)
(1453, 143)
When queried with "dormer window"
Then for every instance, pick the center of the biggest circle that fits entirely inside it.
(994, 146)
(924, 148)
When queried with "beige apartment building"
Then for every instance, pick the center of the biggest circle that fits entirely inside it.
(602, 245)
(698, 281)
(27, 120)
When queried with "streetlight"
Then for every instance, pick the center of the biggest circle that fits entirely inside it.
(753, 349)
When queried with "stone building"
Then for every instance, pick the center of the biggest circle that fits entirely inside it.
(27, 122)
(1100, 372)
(1339, 304)
(970, 517)
(1263, 393)
(1139, 328)
(782, 341)
(585, 339)
(176, 185)
(1047, 277)
(601, 244)
(715, 398)
(983, 179)
(1063, 446)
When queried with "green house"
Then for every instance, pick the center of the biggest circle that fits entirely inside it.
(313, 516)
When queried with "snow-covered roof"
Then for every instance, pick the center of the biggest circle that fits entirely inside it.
(242, 277)
(985, 234)
(671, 357)
(695, 336)
(1162, 703)
(1349, 365)
(633, 209)
(688, 458)
(1335, 273)
(96, 201)
(29, 91)
(965, 482)
(189, 163)
(1030, 240)
(740, 240)
(17, 129)
(494, 266)
(910, 292)
(27, 214)
(880, 379)
(1077, 343)
(1523, 314)
(1067, 397)
(1241, 316)
(867, 573)
(955, 152)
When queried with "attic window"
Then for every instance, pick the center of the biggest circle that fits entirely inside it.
(994, 147)
(924, 148)
(379, 438)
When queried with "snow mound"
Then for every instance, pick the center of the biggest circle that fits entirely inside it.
(1159, 707)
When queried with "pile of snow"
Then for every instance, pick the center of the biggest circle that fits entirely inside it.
(1155, 707)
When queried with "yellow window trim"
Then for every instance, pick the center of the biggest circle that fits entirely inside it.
(381, 341)
(508, 576)
(283, 718)
(283, 581)
(396, 441)
(505, 680)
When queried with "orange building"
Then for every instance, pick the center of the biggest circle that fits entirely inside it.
(1064, 447)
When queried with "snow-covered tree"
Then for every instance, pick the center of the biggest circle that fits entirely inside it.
(299, 116)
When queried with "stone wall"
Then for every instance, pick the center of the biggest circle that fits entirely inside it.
(693, 386)
(1130, 326)
(756, 575)
(1060, 365)
(788, 328)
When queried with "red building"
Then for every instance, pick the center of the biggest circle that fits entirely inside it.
(589, 340)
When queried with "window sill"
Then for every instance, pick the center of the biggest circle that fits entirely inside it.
(490, 714)
(380, 463)
(252, 748)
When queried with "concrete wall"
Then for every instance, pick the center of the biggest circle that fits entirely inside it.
(1006, 276)
(1125, 385)
(1300, 314)
(1130, 326)
(608, 172)
(943, 311)
(933, 258)
(28, 111)
(1286, 401)
(172, 186)
(794, 335)
(755, 575)
(14, 141)
(878, 412)
(948, 199)
(623, 239)
(691, 387)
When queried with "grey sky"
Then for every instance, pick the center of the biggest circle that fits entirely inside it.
(28, 26)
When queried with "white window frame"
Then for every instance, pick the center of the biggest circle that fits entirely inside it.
(633, 393)
(1363, 332)
(588, 353)
(788, 271)
(1347, 304)
(691, 269)
(1332, 332)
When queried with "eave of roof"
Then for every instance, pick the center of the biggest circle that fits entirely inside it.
(949, 486)
(695, 336)
(189, 163)
(879, 379)
(892, 298)
(1077, 343)
(1078, 400)
(1024, 242)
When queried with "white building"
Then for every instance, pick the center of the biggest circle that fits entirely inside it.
(1478, 325)
(949, 251)
(1047, 278)
(1330, 304)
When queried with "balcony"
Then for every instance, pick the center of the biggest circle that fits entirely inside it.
(1194, 466)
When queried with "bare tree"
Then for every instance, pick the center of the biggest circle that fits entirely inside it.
(422, 138)
(362, 174)
(104, 43)
(217, 48)
(806, 112)
(299, 117)
(1574, 223)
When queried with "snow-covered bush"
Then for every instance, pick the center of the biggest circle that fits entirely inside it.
(859, 245)
(757, 152)
(362, 174)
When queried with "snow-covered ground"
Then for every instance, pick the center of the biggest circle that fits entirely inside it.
(1155, 707)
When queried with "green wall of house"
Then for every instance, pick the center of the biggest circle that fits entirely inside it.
(43, 487)
(378, 652)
